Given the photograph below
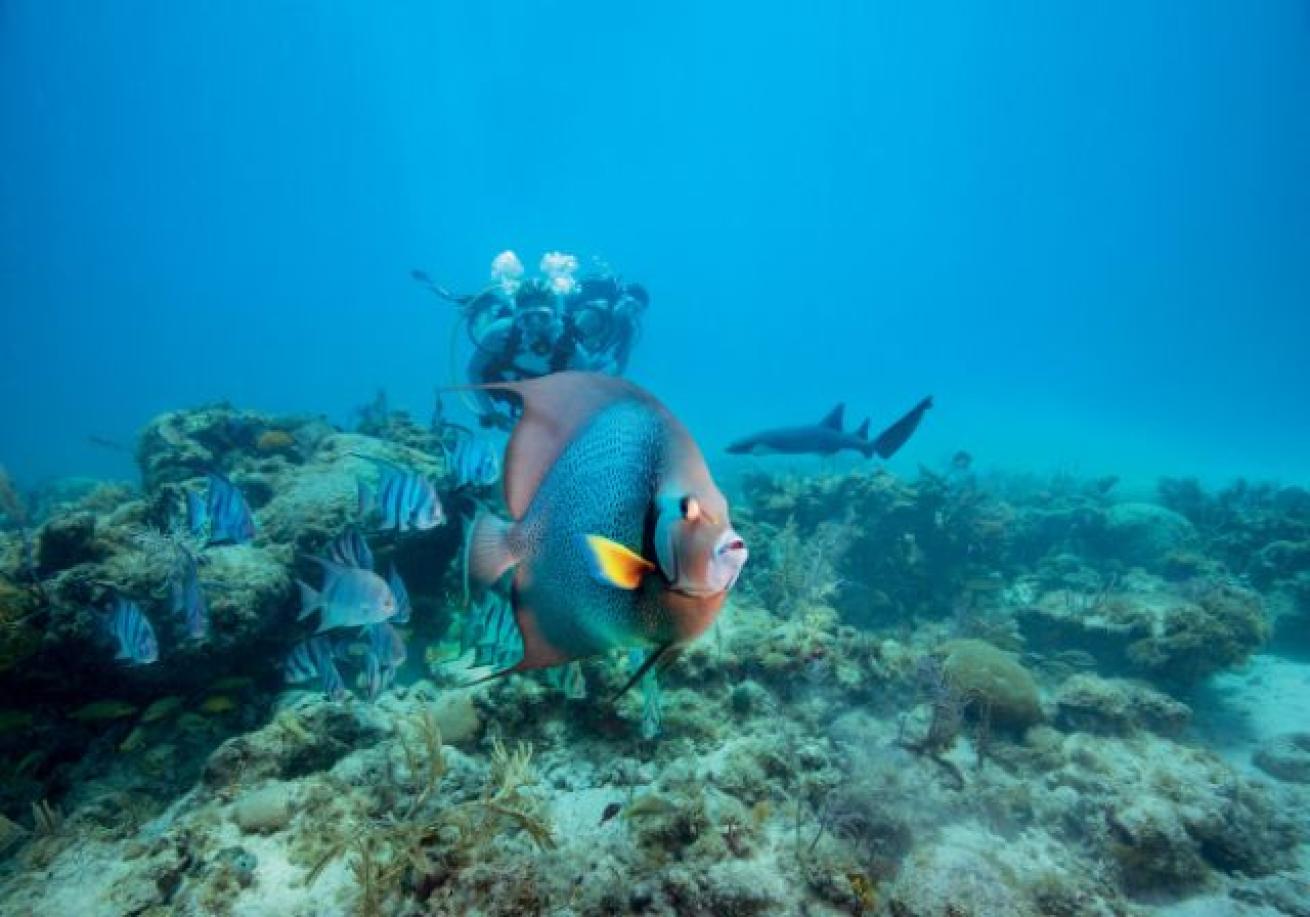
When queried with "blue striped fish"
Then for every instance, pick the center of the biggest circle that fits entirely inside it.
(301, 664)
(350, 549)
(476, 461)
(334, 686)
(311, 659)
(197, 514)
(400, 594)
(385, 654)
(406, 500)
(230, 521)
(131, 628)
(187, 599)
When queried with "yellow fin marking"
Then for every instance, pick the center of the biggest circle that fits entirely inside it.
(617, 565)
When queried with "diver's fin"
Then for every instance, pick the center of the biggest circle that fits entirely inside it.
(833, 419)
(615, 565)
(555, 408)
(863, 431)
(489, 555)
(666, 651)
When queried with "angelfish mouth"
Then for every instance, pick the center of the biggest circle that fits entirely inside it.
(692, 592)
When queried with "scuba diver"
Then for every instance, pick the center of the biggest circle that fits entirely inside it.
(522, 329)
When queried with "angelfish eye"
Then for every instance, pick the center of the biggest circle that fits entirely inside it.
(690, 507)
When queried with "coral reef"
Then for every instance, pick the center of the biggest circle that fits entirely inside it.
(939, 696)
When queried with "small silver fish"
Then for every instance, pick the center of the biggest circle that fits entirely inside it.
(350, 597)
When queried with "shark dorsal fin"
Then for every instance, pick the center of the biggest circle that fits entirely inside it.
(833, 419)
(863, 431)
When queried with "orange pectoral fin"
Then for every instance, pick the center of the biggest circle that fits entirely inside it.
(616, 565)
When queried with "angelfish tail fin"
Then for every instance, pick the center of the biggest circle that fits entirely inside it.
(489, 554)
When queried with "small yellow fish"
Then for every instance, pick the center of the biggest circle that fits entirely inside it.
(103, 710)
(162, 709)
(14, 721)
(192, 722)
(232, 683)
(217, 704)
(135, 739)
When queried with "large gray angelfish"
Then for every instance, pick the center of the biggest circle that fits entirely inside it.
(619, 537)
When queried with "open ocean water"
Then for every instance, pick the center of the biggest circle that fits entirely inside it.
(1043, 647)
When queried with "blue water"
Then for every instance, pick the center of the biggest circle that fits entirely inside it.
(1084, 229)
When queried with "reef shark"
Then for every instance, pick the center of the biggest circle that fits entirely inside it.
(828, 438)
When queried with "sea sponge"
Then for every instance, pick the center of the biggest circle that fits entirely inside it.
(976, 669)
(264, 810)
(1115, 706)
(457, 718)
(1220, 629)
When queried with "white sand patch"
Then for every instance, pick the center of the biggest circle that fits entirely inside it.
(1239, 710)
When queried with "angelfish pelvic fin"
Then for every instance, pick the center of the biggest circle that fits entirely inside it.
(615, 565)
(664, 655)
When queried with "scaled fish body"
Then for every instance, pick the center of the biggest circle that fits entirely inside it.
(311, 659)
(187, 599)
(197, 514)
(334, 686)
(131, 629)
(406, 499)
(476, 462)
(301, 664)
(385, 654)
(350, 597)
(401, 595)
(350, 549)
(620, 537)
(230, 521)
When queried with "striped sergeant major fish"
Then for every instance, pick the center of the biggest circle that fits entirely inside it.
(406, 500)
(129, 626)
(228, 513)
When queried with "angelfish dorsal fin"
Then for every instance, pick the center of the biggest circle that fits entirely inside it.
(616, 565)
(555, 408)
(833, 419)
